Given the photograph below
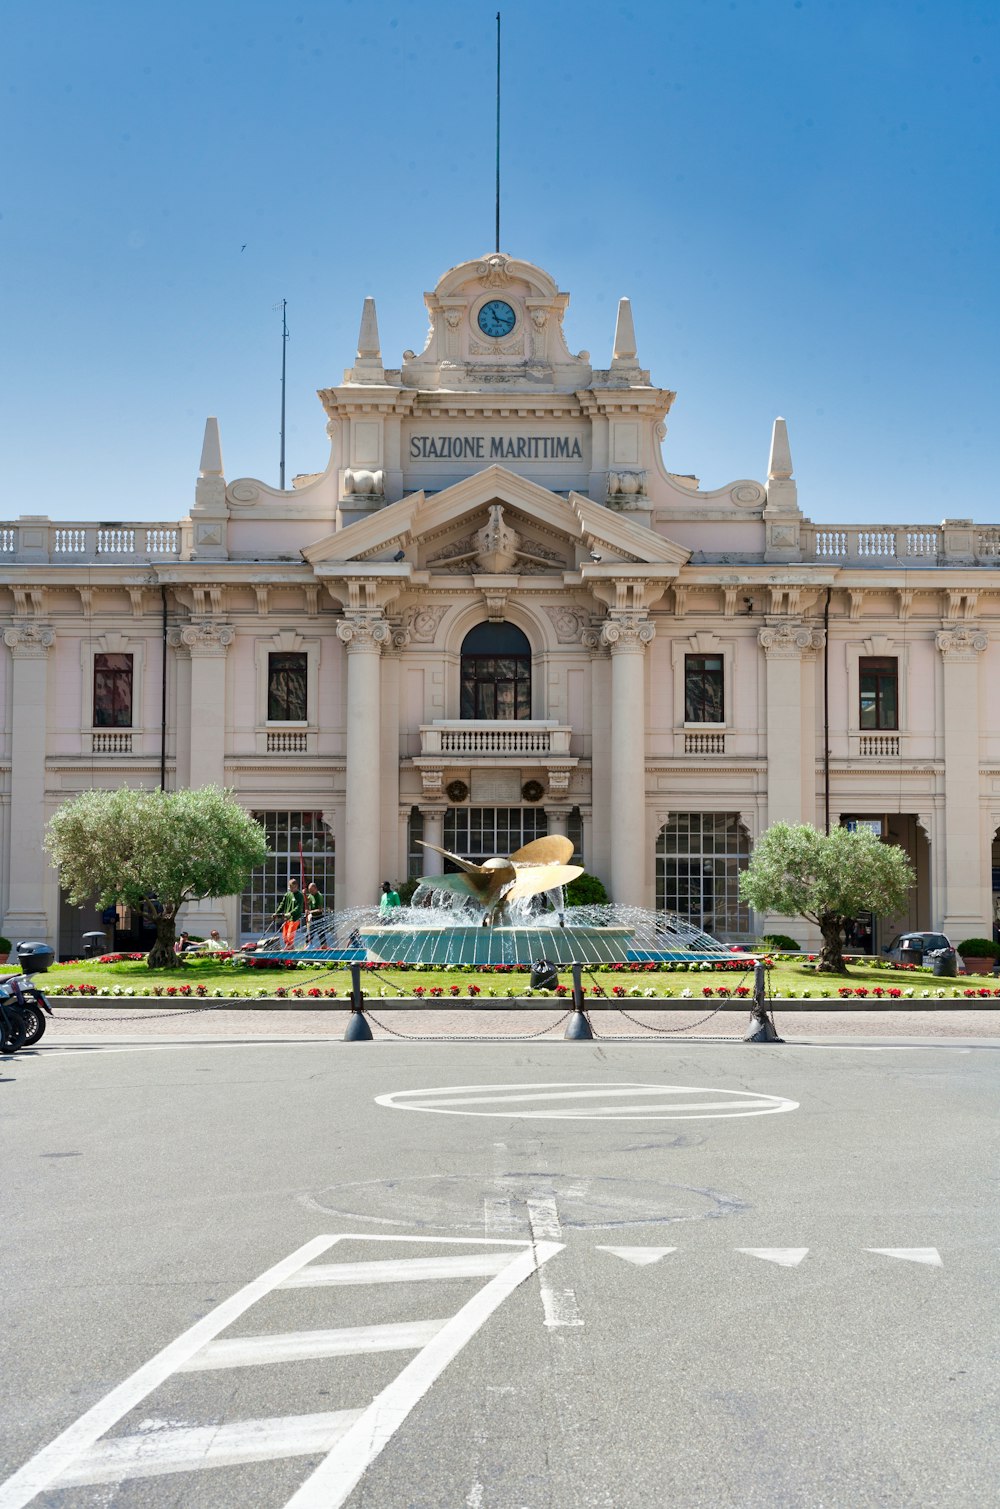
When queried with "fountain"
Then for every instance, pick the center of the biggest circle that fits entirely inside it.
(508, 911)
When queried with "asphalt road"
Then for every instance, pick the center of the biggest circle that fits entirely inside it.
(604, 1275)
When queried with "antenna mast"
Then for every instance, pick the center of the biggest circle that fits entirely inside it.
(498, 135)
(284, 348)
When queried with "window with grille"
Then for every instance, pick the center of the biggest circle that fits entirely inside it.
(112, 691)
(878, 677)
(699, 856)
(704, 695)
(286, 687)
(479, 833)
(496, 673)
(299, 844)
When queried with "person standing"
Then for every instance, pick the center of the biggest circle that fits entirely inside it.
(388, 902)
(291, 909)
(315, 905)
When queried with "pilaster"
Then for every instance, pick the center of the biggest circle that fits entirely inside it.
(626, 632)
(964, 903)
(27, 917)
(365, 634)
(791, 721)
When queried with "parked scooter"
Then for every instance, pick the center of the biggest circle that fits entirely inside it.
(23, 1007)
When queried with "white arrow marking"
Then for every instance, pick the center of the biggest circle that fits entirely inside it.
(928, 1255)
(639, 1255)
(785, 1257)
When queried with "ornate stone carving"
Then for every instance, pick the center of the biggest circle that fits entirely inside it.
(494, 270)
(788, 641)
(208, 638)
(496, 605)
(626, 485)
(423, 623)
(244, 492)
(496, 543)
(453, 318)
(961, 644)
(364, 633)
(539, 318)
(400, 636)
(558, 783)
(660, 431)
(567, 621)
(627, 633)
(512, 348)
(748, 494)
(29, 641)
(433, 784)
(364, 484)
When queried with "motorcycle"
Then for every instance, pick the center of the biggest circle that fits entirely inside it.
(23, 1007)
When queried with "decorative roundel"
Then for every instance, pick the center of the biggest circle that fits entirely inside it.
(457, 791)
(532, 791)
(496, 319)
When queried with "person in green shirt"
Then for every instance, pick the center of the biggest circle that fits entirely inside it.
(291, 909)
(388, 901)
(314, 905)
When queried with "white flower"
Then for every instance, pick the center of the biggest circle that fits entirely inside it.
(685, 995)
(908, 993)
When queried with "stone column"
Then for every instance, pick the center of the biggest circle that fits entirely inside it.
(557, 819)
(965, 908)
(791, 723)
(627, 635)
(364, 634)
(207, 644)
(26, 918)
(433, 834)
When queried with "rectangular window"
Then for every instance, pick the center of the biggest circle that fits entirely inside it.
(299, 844)
(286, 687)
(704, 701)
(112, 691)
(878, 677)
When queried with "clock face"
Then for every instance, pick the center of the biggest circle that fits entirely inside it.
(496, 318)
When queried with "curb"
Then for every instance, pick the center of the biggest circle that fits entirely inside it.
(68, 1004)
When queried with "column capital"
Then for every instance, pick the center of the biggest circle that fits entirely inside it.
(961, 644)
(788, 641)
(208, 638)
(364, 633)
(627, 633)
(31, 641)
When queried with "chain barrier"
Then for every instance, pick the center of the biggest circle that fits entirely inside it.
(439, 1037)
(138, 1016)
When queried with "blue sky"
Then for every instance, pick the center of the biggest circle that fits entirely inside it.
(799, 196)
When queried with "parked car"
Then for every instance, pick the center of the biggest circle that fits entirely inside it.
(911, 948)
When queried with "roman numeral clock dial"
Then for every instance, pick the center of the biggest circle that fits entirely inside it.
(496, 319)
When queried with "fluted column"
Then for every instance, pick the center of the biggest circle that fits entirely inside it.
(966, 906)
(27, 917)
(791, 723)
(626, 635)
(364, 634)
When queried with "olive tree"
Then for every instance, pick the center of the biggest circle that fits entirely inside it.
(154, 850)
(826, 878)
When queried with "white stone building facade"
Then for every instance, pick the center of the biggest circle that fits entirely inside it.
(497, 613)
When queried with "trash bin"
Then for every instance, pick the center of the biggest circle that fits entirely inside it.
(35, 958)
(544, 975)
(94, 944)
(944, 962)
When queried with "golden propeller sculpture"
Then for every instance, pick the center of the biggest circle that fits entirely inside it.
(538, 866)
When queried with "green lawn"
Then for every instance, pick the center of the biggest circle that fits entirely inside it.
(787, 979)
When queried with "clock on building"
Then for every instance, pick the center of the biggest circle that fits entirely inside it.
(496, 318)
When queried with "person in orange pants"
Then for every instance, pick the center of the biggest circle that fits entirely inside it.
(291, 910)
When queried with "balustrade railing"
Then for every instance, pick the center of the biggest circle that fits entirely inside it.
(704, 743)
(287, 741)
(116, 742)
(495, 739)
(40, 539)
(867, 542)
(878, 745)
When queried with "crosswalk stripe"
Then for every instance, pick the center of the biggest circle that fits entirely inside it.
(153, 1453)
(400, 1270)
(295, 1346)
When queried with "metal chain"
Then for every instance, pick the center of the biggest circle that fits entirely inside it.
(143, 1016)
(685, 1027)
(438, 1037)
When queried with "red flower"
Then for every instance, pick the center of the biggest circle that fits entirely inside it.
(707, 990)
(314, 991)
(473, 990)
(418, 990)
(895, 992)
(878, 991)
(455, 990)
(861, 990)
(437, 990)
(619, 990)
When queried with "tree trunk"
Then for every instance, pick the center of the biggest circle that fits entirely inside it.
(831, 958)
(161, 955)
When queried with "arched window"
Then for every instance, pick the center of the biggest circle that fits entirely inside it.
(496, 673)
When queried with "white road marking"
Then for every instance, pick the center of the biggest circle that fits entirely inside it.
(641, 1256)
(400, 1270)
(54, 1460)
(294, 1346)
(785, 1257)
(335, 1478)
(189, 1449)
(569, 1100)
(559, 1306)
(928, 1255)
(498, 1208)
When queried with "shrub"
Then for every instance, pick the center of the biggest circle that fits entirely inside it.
(586, 890)
(406, 889)
(777, 942)
(979, 948)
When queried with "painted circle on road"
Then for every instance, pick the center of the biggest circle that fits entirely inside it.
(612, 1101)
